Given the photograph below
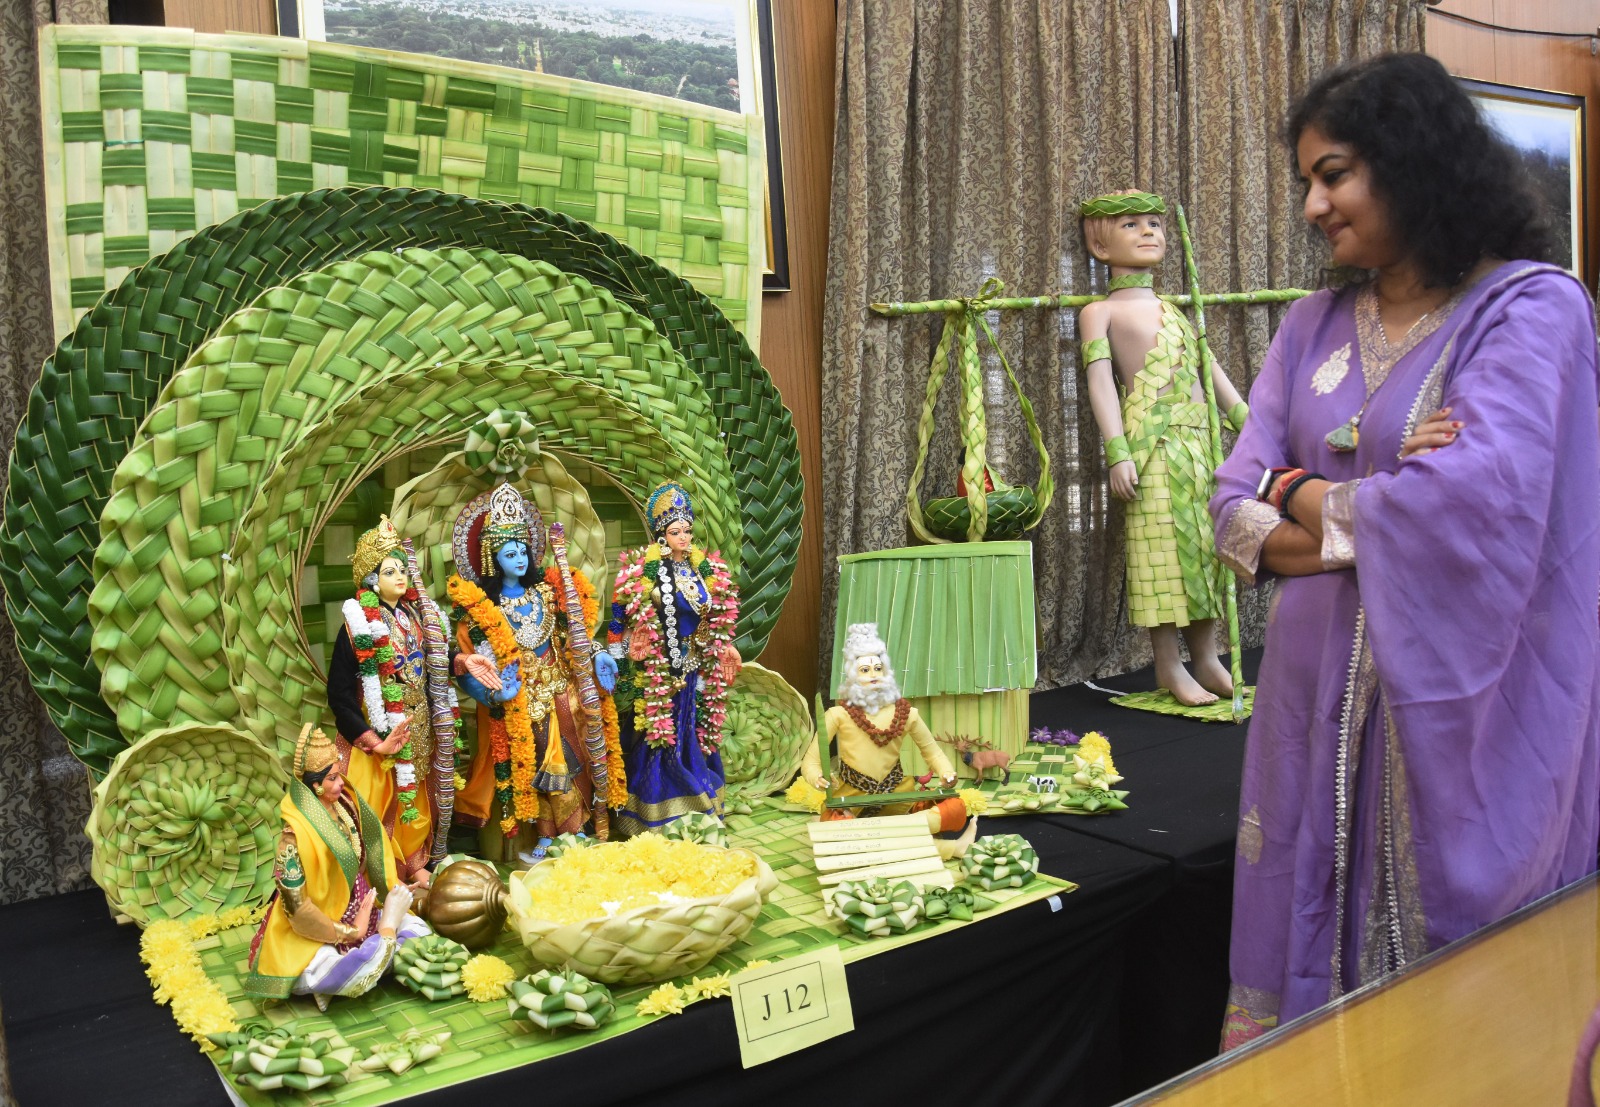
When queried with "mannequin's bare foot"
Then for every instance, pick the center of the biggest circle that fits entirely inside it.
(1212, 676)
(1183, 687)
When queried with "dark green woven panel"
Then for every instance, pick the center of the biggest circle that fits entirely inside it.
(99, 386)
(225, 443)
(191, 129)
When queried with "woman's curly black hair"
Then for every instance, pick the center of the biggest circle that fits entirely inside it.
(1455, 191)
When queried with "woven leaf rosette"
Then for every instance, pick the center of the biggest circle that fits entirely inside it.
(558, 1000)
(1000, 861)
(697, 826)
(877, 908)
(645, 944)
(273, 1062)
(186, 823)
(764, 740)
(431, 966)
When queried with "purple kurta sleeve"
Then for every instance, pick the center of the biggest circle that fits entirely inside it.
(1242, 521)
(1479, 567)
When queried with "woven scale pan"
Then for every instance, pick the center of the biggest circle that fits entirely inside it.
(269, 672)
(769, 726)
(221, 456)
(156, 133)
(98, 387)
(426, 507)
(186, 823)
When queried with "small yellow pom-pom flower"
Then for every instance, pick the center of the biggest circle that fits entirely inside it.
(665, 1000)
(802, 794)
(974, 801)
(461, 783)
(1093, 746)
(486, 978)
(708, 987)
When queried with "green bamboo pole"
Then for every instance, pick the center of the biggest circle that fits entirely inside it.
(1017, 303)
(1214, 422)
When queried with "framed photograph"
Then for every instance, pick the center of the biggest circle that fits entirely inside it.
(714, 52)
(1547, 131)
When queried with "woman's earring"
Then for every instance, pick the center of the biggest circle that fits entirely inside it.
(662, 542)
(317, 788)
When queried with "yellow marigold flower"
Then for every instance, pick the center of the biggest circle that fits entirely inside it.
(611, 878)
(802, 794)
(758, 963)
(975, 801)
(486, 978)
(665, 1000)
(1094, 747)
(709, 987)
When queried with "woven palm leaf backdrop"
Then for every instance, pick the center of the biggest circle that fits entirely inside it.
(225, 417)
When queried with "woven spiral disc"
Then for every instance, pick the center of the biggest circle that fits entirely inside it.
(764, 740)
(98, 387)
(325, 353)
(186, 823)
(425, 509)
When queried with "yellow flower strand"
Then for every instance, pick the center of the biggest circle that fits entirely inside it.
(167, 948)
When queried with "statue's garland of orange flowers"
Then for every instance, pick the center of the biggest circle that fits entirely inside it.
(511, 734)
(616, 778)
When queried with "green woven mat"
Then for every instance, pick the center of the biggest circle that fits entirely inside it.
(1162, 703)
(154, 133)
(1037, 759)
(98, 387)
(484, 1040)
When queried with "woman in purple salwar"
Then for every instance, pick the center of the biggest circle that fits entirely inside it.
(1419, 472)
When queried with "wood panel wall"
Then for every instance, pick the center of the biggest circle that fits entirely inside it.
(1531, 61)
(791, 343)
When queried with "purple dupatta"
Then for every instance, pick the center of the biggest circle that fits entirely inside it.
(1424, 755)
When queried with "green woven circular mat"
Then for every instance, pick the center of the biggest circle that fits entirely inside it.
(186, 823)
(426, 507)
(97, 388)
(769, 726)
(269, 679)
(226, 442)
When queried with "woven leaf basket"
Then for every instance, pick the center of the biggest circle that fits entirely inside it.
(646, 944)
(764, 740)
(186, 823)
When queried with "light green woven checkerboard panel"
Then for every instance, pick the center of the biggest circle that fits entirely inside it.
(484, 1041)
(301, 396)
(958, 619)
(161, 132)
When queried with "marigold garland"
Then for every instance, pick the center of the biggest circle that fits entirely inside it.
(511, 734)
(167, 947)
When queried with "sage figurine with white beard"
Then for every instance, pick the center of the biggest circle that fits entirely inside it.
(871, 723)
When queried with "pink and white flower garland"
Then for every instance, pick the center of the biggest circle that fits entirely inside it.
(380, 692)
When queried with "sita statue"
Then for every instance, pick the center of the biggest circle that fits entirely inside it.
(673, 616)
(1156, 442)
(324, 933)
(548, 750)
(871, 722)
(393, 702)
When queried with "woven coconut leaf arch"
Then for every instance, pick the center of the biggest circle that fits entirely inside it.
(328, 350)
(99, 386)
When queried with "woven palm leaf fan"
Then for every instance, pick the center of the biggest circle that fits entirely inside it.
(104, 377)
(989, 508)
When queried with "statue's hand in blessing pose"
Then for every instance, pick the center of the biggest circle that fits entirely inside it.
(510, 684)
(394, 739)
(605, 671)
(482, 670)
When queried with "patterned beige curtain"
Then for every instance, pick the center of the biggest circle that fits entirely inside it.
(967, 132)
(44, 791)
(1241, 66)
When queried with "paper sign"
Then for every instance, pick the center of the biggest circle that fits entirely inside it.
(790, 1005)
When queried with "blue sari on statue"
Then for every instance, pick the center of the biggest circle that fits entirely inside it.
(668, 783)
